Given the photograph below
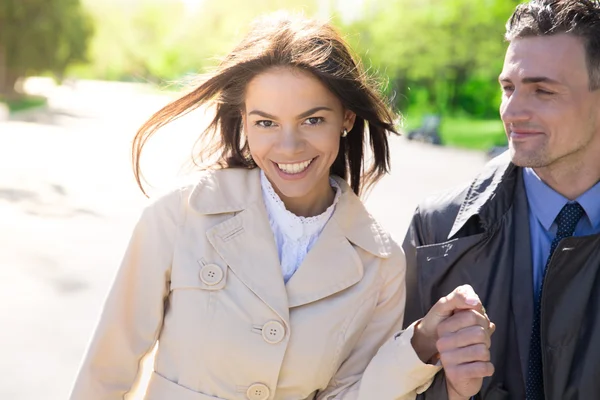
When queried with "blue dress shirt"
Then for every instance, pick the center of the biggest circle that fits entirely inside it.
(544, 206)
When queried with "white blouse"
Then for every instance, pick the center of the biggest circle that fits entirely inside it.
(294, 235)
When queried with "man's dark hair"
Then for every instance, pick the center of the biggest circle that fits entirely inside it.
(580, 18)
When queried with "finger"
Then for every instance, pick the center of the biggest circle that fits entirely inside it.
(465, 337)
(462, 319)
(464, 355)
(475, 370)
(462, 298)
(492, 328)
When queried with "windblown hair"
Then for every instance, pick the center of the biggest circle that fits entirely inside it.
(281, 40)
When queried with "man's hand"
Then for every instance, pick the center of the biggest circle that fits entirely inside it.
(464, 348)
(457, 330)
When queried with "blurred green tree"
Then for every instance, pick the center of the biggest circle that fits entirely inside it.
(439, 56)
(39, 36)
(160, 40)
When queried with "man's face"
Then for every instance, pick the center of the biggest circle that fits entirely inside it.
(550, 115)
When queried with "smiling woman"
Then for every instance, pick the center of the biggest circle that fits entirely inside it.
(297, 141)
(277, 42)
(268, 279)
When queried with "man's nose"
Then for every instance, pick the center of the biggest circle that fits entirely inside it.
(515, 109)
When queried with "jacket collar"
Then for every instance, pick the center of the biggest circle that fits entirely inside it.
(236, 189)
(223, 191)
(244, 240)
(489, 196)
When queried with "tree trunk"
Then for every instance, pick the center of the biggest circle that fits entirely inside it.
(8, 88)
(8, 77)
(2, 69)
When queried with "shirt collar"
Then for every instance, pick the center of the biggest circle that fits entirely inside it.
(590, 201)
(233, 190)
(546, 203)
(291, 225)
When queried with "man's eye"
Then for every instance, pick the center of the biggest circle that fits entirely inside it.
(542, 91)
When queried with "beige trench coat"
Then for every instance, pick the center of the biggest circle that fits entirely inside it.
(202, 276)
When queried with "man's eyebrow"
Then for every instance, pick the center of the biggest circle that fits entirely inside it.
(540, 79)
(532, 79)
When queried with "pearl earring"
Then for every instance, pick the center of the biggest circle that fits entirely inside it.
(345, 132)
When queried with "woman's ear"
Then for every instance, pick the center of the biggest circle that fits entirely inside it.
(349, 118)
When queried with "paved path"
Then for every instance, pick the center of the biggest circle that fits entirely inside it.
(68, 203)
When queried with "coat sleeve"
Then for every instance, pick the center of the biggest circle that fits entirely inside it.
(132, 316)
(415, 309)
(383, 364)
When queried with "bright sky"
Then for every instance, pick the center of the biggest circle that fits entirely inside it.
(349, 9)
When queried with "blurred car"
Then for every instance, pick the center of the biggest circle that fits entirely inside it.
(428, 132)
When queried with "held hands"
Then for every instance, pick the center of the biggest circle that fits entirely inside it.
(458, 331)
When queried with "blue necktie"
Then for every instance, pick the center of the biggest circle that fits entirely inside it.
(566, 221)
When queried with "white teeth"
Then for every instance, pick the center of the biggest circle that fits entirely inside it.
(294, 168)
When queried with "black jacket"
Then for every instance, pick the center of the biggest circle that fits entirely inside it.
(480, 235)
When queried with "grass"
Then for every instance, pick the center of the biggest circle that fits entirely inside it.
(22, 103)
(467, 133)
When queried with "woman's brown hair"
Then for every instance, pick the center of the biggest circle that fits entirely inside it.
(281, 40)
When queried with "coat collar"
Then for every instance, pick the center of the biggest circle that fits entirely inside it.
(243, 238)
(489, 196)
(236, 189)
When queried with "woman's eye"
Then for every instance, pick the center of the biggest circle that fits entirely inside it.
(264, 123)
(314, 120)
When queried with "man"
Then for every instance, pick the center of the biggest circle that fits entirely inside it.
(525, 234)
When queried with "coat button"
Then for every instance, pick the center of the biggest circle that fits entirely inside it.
(258, 391)
(211, 274)
(273, 332)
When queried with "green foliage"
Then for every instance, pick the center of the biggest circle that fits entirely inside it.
(431, 56)
(472, 134)
(159, 41)
(465, 132)
(445, 56)
(24, 102)
(38, 36)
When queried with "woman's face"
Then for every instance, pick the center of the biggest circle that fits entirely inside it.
(293, 124)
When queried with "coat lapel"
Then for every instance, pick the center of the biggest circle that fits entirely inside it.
(246, 242)
(330, 266)
(522, 291)
(489, 197)
(334, 264)
(247, 245)
(497, 190)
